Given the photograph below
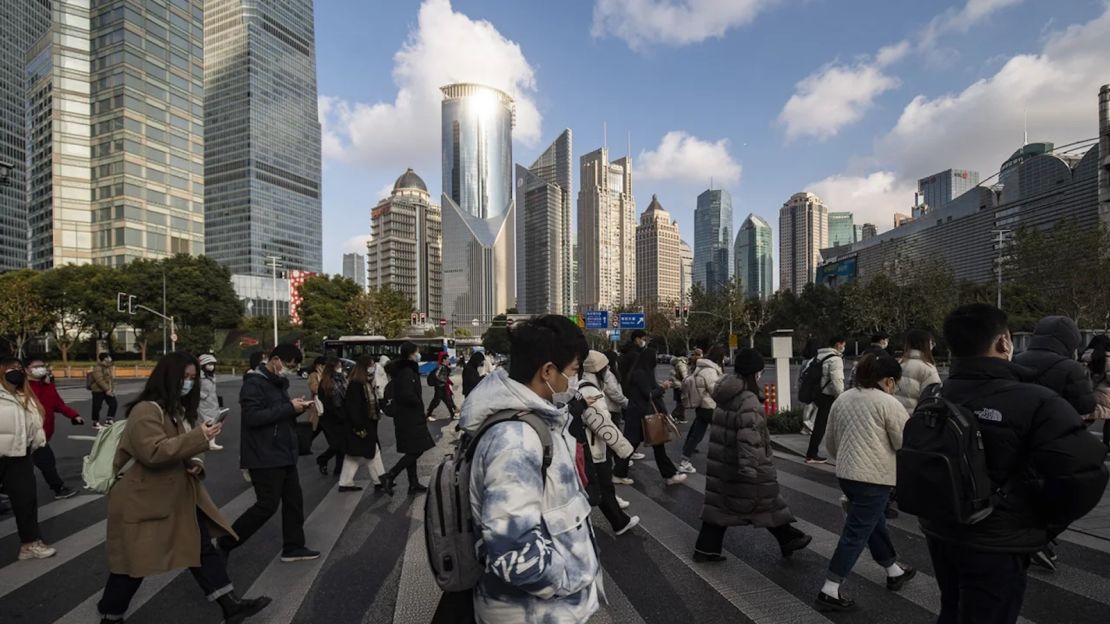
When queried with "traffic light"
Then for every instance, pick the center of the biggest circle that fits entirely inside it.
(423, 318)
(123, 303)
(413, 319)
(677, 313)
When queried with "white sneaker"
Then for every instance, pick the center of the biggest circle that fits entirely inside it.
(622, 481)
(678, 478)
(632, 522)
(36, 550)
(623, 504)
(686, 467)
(212, 446)
(638, 456)
(97, 426)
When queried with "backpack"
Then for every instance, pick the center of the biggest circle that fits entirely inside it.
(809, 380)
(96, 467)
(691, 392)
(450, 533)
(942, 468)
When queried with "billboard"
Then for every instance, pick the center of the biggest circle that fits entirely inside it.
(838, 273)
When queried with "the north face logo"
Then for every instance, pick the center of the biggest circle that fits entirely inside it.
(988, 414)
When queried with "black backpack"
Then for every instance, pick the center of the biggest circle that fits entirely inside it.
(942, 467)
(387, 399)
(809, 380)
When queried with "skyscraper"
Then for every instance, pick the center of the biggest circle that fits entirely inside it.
(754, 262)
(687, 255)
(543, 245)
(145, 169)
(713, 239)
(868, 230)
(1104, 153)
(606, 233)
(842, 229)
(354, 268)
(262, 135)
(940, 188)
(658, 259)
(405, 250)
(803, 233)
(479, 250)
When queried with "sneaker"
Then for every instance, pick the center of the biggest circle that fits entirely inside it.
(108, 422)
(36, 550)
(678, 478)
(637, 456)
(417, 488)
(827, 603)
(818, 460)
(97, 426)
(895, 583)
(212, 446)
(806, 430)
(64, 492)
(431, 418)
(622, 480)
(623, 504)
(632, 522)
(700, 557)
(686, 467)
(1042, 560)
(299, 554)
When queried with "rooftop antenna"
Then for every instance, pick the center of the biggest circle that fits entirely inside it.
(1026, 127)
(711, 183)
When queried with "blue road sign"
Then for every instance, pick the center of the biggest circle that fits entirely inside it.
(633, 320)
(615, 335)
(597, 319)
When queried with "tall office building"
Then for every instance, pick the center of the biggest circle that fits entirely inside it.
(543, 245)
(803, 233)
(262, 136)
(941, 188)
(479, 253)
(145, 169)
(842, 229)
(868, 231)
(754, 262)
(606, 233)
(658, 259)
(22, 24)
(405, 251)
(1104, 153)
(687, 255)
(713, 239)
(354, 268)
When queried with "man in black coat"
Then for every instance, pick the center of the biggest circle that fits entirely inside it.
(1053, 357)
(406, 406)
(268, 452)
(1047, 469)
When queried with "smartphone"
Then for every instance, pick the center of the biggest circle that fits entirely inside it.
(223, 414)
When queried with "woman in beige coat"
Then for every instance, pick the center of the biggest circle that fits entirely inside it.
(160, 517)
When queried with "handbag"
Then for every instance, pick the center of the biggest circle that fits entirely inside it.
(659, 428)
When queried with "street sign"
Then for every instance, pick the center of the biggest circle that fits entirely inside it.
(615, 335)
(732, 341)
(632, 320)
(597, 319)
(443, 322)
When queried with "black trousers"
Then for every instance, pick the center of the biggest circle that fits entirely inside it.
(211, 575)
(609, 506)
(441, 397)
(407, 463)
(711, 538)
(703, 417)
(17, 475)
(820, 423)
(978, 587)
(100, 398)
(45, 461)
(634, 431)
(274, 487)
(331, 452)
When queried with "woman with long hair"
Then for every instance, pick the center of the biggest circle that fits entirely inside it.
(472, 372)
(919, 369)
(160, 517)
(646, 397)
(21, 434)
(604, 441)
(360, 427)
(406, 407)
(1095, 358)
(331, 390)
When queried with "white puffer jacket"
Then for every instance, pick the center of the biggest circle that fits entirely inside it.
(20, 427)
(600, 429)
(707, 374)
(917, 374)
(865, 431)
(614, 396)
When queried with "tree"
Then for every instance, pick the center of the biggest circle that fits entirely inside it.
(61, 291)
(142, 279)
(381, 311)
(757, 315)
(496, 338)
(23, 313)
(97, 305)
(325, 308)
(201, 299)
(1066, 269)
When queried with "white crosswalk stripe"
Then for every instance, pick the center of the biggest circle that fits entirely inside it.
(50, 510)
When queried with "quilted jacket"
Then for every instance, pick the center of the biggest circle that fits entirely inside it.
(601, 431)
(707, 375)
(832, 371)
(20, 426)
(865, 432)
(917, 374)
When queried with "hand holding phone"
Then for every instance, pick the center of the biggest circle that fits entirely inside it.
(223, 414)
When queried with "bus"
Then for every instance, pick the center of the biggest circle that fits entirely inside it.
(353, 347)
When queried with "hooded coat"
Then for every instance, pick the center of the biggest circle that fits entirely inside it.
(741, 486)
(1052, 358)
(917, 374)
(541, 561)
(407, 408)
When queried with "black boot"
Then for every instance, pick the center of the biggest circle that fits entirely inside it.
(387, 483)
(236, 609)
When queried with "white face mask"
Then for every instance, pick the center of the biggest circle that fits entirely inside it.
(38, 372)
(564, 397)
(186, 387)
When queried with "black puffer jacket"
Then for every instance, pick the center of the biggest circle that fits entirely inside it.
(360, 409)
(268, 438)
(1049, 468)
(741, 484)
(407, 408)
(1052, 358)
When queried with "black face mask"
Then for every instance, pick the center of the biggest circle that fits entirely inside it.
(15, 377)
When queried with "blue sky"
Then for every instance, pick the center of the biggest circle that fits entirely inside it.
(851, 99)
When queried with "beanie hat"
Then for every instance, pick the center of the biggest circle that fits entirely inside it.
(595, 361)
(748, 362)
(207, 359)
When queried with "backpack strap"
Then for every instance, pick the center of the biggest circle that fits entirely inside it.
(525, 416)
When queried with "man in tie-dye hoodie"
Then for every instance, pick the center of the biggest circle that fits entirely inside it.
(537, 545)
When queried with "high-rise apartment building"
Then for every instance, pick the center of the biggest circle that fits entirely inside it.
(354, 268)
(941, 188)
(22, 24)
(405, 250)
(606, 233)
(262, 135)
(803, 233)
(713, 239)
(479, 253)
(658, 259)
(842, 229)
(543, 245)
(687, 254)
(754, 261)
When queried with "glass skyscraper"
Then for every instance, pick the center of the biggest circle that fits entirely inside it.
(842, 229)
(713, 239)
(941, 188)
(262, 136)
(754, 262)
(543, 271)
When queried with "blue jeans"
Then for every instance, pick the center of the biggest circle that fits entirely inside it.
(702, 419)
(864, 526)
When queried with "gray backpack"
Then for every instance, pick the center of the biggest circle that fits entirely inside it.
(449, 530)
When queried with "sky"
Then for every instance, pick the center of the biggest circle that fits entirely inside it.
(851, 99)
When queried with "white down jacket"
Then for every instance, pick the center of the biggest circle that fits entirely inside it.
(20, 427)
(865, 431)
(600, 429)
(707, 374)
(917, 374)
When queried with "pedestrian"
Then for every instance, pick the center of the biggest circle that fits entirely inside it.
(646, 398)
(103, 387)
(160, 516)
(540, 553)
(864, 435)
(637, 342)
(381, 379)
(809, 412)
(741, 487)
(440, 381)
(1095, 358)
(605, 440)
(315, 375)
(268, 452)
(472, 373)
(360, 426)
(707, 374)
(331, 389)
(256, 358)
(1039, 455)
(680, 369)
(879, 343)
(406, 407)
(831, 359)
(21, 434)
(46, 392)
(919, 369)
(211, 403)
(1052, 356)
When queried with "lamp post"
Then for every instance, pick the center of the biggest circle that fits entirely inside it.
(273, 261)
(1001, 233)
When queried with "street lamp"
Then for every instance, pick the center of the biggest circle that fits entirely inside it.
(274, 265)
(1001, 233)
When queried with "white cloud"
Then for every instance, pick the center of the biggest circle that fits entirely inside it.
(444, 47)
(872, 198)
(681, 157)
(356, 244)
(955, 20)
(641, 23)
(834, 97)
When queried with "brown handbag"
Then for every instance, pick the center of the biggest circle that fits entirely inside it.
(659, 428)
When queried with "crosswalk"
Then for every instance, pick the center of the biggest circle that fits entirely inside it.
(374, 567)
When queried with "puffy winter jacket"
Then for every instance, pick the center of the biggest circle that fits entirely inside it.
(541, 562)
(20, 426)
(601, 431)
(103, 380)
(268, 436)
(1051, 357)
(681, 369)
(832, 371)
(707, 374)
(917, 374)
(52, 403)
(209, 407)
(614, 396)
(865, 431)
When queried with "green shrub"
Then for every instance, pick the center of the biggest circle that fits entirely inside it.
(787, 421)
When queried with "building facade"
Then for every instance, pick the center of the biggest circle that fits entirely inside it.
(354, 268)
(606, 233)
(868, 231)
(687, 254)
(754, 260)
(262, 136)
(713, 239)
(405, 251)
(658, 259)
(803, 233)
(941, 188)
(1104, 153)
(543, 242)
(842, 229)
